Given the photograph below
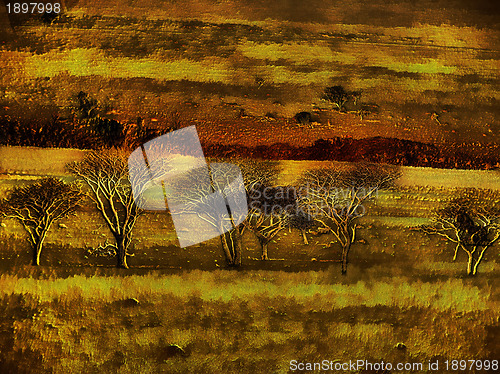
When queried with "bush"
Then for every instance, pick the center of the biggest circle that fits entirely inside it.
(337, 95)
(303, 118)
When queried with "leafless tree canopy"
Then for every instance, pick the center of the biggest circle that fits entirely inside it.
(337, 194)
(303, 222)
(37, 206)
(270, 210)
(470, 221)
(106, 173)
(335, 197)
(254, 173)
(257, 172)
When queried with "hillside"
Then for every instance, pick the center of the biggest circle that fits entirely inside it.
(428, 71)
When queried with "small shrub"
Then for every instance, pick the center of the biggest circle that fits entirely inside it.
(303, 118)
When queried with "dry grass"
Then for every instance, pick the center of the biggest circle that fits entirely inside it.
(253, 323)
(224, 286)
(411, 70)
(81, 315)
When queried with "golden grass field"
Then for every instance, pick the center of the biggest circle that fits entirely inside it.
(240, 70)
(249, 322)
(401, 290)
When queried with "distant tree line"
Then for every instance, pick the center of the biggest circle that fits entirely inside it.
(377, 150)
(88, 126)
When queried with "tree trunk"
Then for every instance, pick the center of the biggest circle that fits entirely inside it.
(349, 234)
(470, 265)
(345, 252)
(37, 242)
(121, 253)
(37, 252)
(474, 268)
(263, 245)
(6, 31)
(481, 254)
(226, 250)
(237, 246)
(304, 237)
(232, 247)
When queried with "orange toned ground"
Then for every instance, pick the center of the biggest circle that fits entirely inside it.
(203, 62)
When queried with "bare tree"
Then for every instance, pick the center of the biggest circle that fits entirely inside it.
(106, 173)
(270, 210)
(303, 222)
(38, 205)
(196, 201)
(356, 95)
(336, 197)
(470, 221)
(257, 174)
(337, 95)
